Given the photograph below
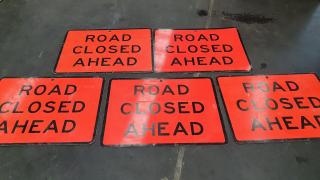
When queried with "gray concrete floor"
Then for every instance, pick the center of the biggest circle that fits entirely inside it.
(279, 36)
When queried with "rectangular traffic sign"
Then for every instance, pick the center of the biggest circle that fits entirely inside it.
(162, 111)
(199, 50)
(272, 107)
(48, 110)
(106, 51)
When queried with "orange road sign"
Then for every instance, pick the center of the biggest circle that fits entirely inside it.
(106, 51)
(48, 110)
(162, 111)
(199, 50)
(272, 107)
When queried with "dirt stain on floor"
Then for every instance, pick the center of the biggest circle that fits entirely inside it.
(247, 18)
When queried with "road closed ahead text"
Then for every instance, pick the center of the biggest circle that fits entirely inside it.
(273, 107)
(48, 110)
(162, 111)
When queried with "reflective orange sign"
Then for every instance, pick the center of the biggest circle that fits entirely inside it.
(48, 110)
(162, 111)
(273, 107)
(199, 50)
(106, 51)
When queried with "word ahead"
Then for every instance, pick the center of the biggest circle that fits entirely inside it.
(199, 50)
(48, 110)
(106, 51)
(162, 111)
(275, 107)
